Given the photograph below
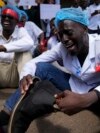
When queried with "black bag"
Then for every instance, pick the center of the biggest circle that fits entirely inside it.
(37, 102)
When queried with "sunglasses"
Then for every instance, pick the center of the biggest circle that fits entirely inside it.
(8, 16)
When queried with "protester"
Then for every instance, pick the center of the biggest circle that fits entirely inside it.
(80, 88)
(14, 44)
(34, 31)
(94, 17)
(53, 38)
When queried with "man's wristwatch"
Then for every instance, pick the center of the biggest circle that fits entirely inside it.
(97, 93)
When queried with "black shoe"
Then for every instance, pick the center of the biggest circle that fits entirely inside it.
(38, 102)
(4, 129)
(1, 130)
(4, 118)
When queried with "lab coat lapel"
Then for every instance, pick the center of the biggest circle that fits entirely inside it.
(90, 56)
(86, 65)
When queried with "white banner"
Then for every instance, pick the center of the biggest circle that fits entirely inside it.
(27, 3)
(48, 11)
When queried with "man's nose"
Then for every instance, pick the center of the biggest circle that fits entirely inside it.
(6, 17)
(65, 38)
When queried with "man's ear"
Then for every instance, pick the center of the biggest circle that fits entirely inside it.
(86, 28)
(17, 21)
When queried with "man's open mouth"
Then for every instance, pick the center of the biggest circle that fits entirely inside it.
(6, 23)
(69, 46)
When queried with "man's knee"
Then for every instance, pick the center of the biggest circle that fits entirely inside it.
(43, 65)
(42, 69)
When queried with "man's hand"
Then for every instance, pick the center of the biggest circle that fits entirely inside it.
(25, 82)
(70, 102)
(2, 48)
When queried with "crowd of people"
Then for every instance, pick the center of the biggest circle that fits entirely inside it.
(72, 43)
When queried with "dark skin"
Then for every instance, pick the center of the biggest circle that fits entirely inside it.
(8, 23)
(97, 2)
(83, 4)
(76, 43)
(73, 40)
(53, 29)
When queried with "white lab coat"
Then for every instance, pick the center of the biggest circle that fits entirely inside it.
(94, 21)
(82, 78)
(20, 41)
(34, 31)
(52, 42)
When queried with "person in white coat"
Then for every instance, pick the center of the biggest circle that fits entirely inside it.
(33, 30)
(80, 88)
(93, 12)
(14, 42)
(53, 38)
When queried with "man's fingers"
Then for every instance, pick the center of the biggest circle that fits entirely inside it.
(29, 79)
(23, 86)
(56, 107)
(25, 83)
(59, 95)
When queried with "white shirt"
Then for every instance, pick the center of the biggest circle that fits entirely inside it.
(52, 42)
(34, 31)
(19, 41)
(94, 21)
(82, 78)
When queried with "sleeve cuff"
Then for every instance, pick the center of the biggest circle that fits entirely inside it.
(97, 88)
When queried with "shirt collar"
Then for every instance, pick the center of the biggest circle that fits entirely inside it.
(14, 34)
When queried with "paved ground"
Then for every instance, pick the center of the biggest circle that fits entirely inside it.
(83, 122)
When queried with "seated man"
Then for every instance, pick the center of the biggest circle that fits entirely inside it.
(53, 38)
(34, 31)
(79, 90)
(94, 17)
(15, 43)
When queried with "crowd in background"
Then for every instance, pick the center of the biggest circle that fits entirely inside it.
(33, 12)
(43, 33)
